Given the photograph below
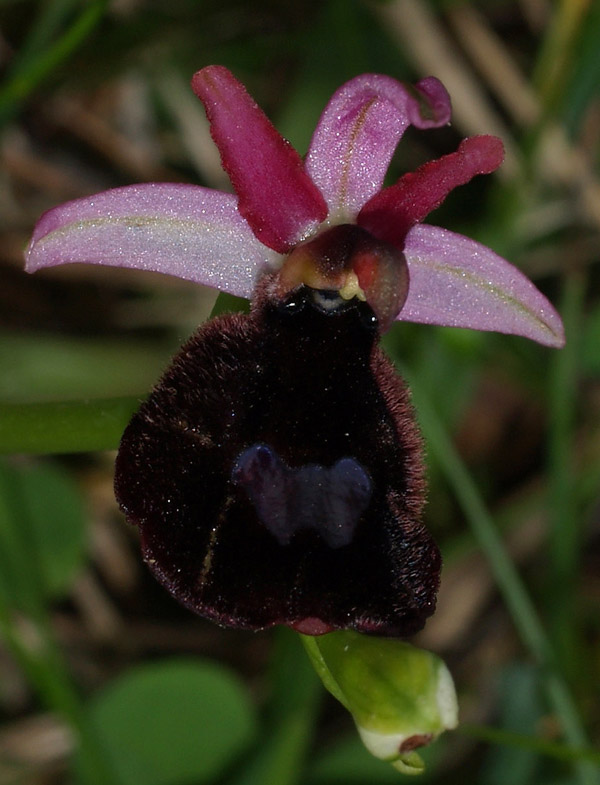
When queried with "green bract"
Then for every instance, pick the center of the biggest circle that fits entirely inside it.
(400, 697)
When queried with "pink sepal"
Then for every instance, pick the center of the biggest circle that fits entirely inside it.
(457, 282)
(182, 230)
(358, 132)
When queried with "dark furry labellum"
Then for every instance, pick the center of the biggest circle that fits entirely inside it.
(275, 473)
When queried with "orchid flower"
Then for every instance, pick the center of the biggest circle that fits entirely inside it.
(224, 241)
(275, 471)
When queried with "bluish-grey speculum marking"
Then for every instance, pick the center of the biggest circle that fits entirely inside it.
(327, 499)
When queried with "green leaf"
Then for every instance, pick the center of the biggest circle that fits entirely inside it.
(44, 368)
(229, 303)
(64, 426)
(42, 533)
(175, 722)
(54, 506)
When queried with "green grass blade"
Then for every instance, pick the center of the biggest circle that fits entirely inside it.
(550, 749)
(63, 427)
(38, 65)
(515, 595)
(564, 513)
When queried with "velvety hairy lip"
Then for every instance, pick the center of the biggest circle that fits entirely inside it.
(265, 430)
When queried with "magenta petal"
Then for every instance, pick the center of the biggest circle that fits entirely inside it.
(391, 213)
(358, 132)
(457, 282)
(276, 195)
(183, 230)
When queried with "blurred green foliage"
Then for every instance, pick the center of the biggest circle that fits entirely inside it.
(151, 719)
(173, 722)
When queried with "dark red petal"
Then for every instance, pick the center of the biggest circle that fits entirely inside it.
(392, 212)
(276, 196)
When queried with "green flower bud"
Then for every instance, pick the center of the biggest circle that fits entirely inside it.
(400, 697)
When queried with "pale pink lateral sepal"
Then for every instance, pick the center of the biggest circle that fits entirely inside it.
(276, 195)
(457, 282)
(358, 132)
(182, 230)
